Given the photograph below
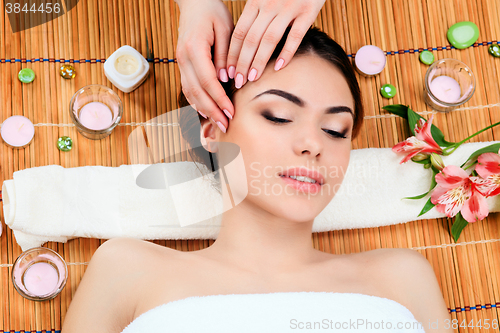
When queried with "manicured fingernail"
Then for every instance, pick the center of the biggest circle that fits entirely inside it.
(252, 75)
(202, 114)
(222, 128)
(238, 82)
(228, 114)
(223, 75)
(231, 72)
(279, 64)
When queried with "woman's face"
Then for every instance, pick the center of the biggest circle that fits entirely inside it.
(314, 106)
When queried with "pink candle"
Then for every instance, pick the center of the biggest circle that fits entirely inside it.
(41, 279)
(370, 60)
(446, 89)
(17, 131)
(96, 116)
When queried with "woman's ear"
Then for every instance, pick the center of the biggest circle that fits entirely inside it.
(208, 135)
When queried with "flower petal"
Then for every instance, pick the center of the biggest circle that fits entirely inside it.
(476, 208)
(424, 133)
(488, 164)
(452, 176)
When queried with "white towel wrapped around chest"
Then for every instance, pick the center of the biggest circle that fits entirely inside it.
(53, 203)
(279, 313)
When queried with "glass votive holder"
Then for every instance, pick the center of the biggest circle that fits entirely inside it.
(95, 110)
(39, 274)
(448, 84)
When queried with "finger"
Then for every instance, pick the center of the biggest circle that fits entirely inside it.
(249, 48)
(293, 40)
(271, 38)
(221, 46)
(199, 98)
(204, 71)
(245, 21)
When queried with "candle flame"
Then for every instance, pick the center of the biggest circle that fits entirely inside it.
(20, 127)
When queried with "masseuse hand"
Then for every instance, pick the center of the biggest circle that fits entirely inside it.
(203, 24)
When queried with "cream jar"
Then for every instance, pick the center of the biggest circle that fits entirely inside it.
(126, 68)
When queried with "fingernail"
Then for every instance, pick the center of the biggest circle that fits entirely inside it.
(238, 82)
(279, 64)
(222, 128)
(231, 72)
(223, 75)
(202, 114)
(252, 75)
(227, 114)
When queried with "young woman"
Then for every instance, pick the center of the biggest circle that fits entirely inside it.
(294, 123)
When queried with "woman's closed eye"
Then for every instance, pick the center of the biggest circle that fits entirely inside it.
(334, 134)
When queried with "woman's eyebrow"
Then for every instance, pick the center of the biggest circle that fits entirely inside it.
(296, 100)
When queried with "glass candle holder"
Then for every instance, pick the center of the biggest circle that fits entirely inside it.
(448, 84)
(39, 274)
(95, 110)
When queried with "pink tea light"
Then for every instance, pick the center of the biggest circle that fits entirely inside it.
(370, 60)
(17, 131)
(96, 116)
(39, 274)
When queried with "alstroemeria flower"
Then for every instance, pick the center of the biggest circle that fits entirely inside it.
(455, 192)
(422, 142)
(488, 167)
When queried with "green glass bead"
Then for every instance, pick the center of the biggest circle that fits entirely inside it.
(67, 71)
(26, 75)
(426, 57)
(463, 34)
(494, 50)
(64, 143)
(388, 91)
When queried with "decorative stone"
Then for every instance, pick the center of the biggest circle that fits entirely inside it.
(64, 143)
(26, 75)
(67, 71)
(388, 91)
(463, 34)
(426, 57)
(494, 50)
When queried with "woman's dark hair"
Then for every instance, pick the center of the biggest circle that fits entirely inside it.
(315, 42)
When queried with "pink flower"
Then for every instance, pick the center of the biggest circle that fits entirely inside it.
(422, 142)
(456, 192)
(488, 167)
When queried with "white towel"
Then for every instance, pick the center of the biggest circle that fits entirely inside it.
(279, 312)
(51, 203)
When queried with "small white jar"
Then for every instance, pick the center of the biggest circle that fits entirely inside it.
(126, 68)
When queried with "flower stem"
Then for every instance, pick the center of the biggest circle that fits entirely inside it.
(458, 144)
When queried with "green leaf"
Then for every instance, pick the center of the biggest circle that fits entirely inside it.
(489, 149)
(397, 109)
(457, 227)
(405, 112)
(427, 207)
(427, 160)
(417, 197)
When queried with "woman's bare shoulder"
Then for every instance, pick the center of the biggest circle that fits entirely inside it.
(110, 289)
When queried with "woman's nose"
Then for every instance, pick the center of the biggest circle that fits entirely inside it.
(309, 142)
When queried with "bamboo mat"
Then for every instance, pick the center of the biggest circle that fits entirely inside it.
(468, 271)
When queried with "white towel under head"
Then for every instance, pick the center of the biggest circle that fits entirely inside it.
(52, 203)
(277, 313)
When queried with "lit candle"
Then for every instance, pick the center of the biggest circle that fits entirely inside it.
(41, 279)
(445, 89)
(17, 131)
(96, 116)
(370, 60)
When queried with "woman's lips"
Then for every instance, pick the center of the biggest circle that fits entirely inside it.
(301, 186)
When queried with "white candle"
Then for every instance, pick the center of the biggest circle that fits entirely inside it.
(370, 60)
(126, 68)
(41, 279)
(445, 89)
(96, 116)
(17, 131)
